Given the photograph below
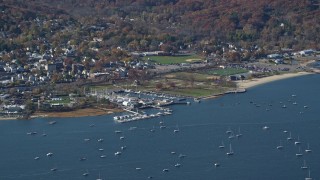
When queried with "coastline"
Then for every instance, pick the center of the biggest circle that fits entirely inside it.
(246, 84)
(76, 113)
(96, 111)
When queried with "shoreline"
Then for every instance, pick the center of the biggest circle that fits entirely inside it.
(77, 113)
(246, 84)
(69, 114)
(95, 111)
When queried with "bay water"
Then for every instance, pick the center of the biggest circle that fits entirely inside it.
(265, 116)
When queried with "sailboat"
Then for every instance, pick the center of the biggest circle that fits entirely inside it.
(176, 130)
(231, 135)
(299, 153)
(308, 150)
(230, 151)
(304, 166)
(99, 177)
(289, 138)
(239, 133)
(280, 146)
(229, 131)
(86, 173)
(309, 177)
(297, 142)
(222, 145)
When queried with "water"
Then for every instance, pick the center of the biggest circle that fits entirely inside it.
(202, 128)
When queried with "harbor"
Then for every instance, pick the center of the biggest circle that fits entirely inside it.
(133, 103)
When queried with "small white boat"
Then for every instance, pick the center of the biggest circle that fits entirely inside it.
(53, 169)
(86, 173)
(165, 170)
(83, 159)
(289, 138)
(49, 154)
(216, 164)
(92, 125)
(172, 152)
(177, 165)
(265, 128)
(309, 177)
(308, 150)
(52, 122)
(100, 140)
(176, 130)
(280, 146)
(121, 138)
(162, 127)
(230, 151)
(229, 131)
(297, 142)
(103, 156)
(87, 139)
(117, 153)
(239, 133)
(285, 131)
(222, 145)
(231, 136)
(99, 178)
(299, 154)
(304, 166)
(132, 128)
(37, 158)
(182, 156)
(118, 132)
(138, 169)
(123, 147)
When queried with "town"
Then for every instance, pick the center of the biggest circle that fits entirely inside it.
(55, 63)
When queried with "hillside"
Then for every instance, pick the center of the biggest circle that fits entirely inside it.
(171, 25)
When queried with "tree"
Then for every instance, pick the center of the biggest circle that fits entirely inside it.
(172, 84)
(159, 85)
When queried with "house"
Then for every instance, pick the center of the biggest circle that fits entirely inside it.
(274, 56)
(306, 52)
(279, 61)
(51, 67)
(4, 96)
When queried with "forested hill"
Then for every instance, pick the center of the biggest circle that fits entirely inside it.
(143, 24)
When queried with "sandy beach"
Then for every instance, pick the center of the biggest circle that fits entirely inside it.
(258, 81)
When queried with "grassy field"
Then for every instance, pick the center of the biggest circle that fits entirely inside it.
(227, 71)
(202, 86)
(195, 92)
(64, 100)
(173, 59)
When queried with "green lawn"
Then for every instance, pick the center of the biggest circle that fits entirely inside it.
(196, 92)
(188, 76)
(172, 59)
(64, 100)
(227, 71)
